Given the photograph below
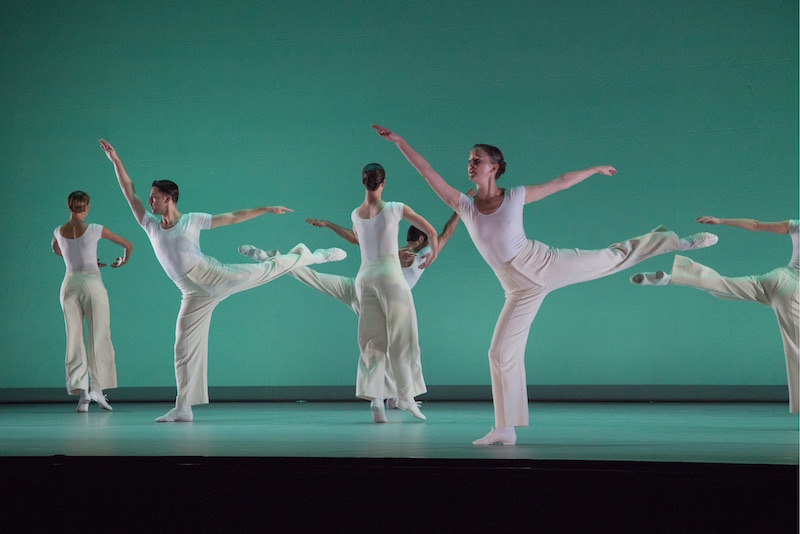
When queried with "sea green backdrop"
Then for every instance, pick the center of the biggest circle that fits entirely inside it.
(244, 103)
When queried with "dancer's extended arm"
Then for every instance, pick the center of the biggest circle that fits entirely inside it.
(125, 183)
(240, 216)
(345, 233)
(564, 181)
(780, 227)
(121, 241)
(449, 195)
(433, 239)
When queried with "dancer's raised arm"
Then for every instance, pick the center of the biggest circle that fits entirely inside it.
(564, 181)
(240, 216)
(125, 182)
(345, 233)
(780, 227)
(448, 194)
(433, 238)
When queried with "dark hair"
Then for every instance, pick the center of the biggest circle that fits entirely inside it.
(414, 233)
(373, 176)
(168, 188)
(77, 201)
(496, 156)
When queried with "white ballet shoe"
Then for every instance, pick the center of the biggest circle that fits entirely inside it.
(412, 408)
(499, 436)
(83, 402)
(391, 404)
(699, 240)
(658, 278)
(378, 413)
(100, 399)
(257, 254)
(177, 415)
(325, 255)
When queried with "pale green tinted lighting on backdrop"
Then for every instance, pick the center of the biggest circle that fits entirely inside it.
(252, 103)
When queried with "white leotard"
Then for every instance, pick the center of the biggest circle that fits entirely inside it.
(177, 248)
(499, 236)
(80, 253)
(377, 236)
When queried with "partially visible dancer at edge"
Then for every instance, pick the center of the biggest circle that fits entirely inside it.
(204, 282)
(83, 295)
(527, 269)
(343, 288)
(776, 289)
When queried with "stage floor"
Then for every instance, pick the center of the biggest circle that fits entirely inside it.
(735, 433)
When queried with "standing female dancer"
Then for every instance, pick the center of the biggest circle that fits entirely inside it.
(776, 289)
(343, 288)
(387, 324)
(203, 281)
(527, 270)
(83, 295)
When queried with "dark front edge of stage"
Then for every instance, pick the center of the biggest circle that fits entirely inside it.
(401, 494)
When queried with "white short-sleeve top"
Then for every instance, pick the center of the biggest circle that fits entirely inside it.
(377, 236)
(80, 253)
(177, 248)
(499, 236)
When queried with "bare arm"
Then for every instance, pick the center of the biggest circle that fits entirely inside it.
(780, 227)
(55, 247)
(449, 195)
(240, 216)
(450, 225)
(345, 233)
(125, 183)
(564, 181)
(433, 239)
(449, 228)
(121, 241)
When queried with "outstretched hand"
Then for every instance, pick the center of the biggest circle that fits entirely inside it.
(386, 133)
(705, 219)
(321, 223)
(108, 149)
(278, 210)
(606, 170)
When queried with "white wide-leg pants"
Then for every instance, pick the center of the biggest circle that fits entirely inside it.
(342, 289)
(536, 271)
(207, 284)
(776, 289)
(84, 295)
(387, 332)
